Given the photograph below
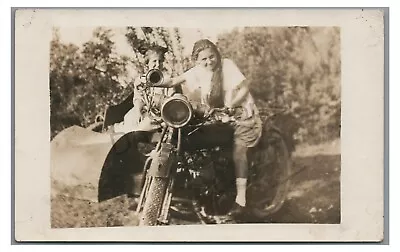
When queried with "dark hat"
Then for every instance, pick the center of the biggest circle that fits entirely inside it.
(145, 49)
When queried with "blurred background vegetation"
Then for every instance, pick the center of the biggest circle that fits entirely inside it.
(296, 67)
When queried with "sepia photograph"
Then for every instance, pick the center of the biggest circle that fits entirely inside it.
(194, 125)
(171, 126)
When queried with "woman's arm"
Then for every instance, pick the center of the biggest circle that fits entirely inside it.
(236, 97)
(171, 82)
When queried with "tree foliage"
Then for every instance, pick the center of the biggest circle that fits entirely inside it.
(83, 80)
(141, 38)
(298, 67)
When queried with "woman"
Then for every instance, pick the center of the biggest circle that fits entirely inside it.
(216, 82)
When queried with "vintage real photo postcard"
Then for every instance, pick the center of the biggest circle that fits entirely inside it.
(199, 125)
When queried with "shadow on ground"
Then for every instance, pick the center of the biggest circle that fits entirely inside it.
(315, 192)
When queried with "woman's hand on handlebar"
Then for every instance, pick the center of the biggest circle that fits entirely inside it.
(226, 110)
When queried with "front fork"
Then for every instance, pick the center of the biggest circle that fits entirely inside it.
(164, 213)
(159, 164)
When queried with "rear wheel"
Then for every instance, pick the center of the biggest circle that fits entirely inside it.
(271, 180)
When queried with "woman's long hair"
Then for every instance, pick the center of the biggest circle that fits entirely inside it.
(215, 98)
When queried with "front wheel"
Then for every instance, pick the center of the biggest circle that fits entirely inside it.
(154, 201)
(153, 197)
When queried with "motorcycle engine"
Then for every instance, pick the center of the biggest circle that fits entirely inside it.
(201, 170)
(208, 174)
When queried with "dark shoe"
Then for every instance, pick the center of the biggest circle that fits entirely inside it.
(236, 210)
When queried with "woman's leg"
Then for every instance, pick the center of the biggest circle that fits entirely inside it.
(246, 135)
(241, 172)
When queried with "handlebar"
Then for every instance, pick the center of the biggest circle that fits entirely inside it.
(224, 115)
(224, 110)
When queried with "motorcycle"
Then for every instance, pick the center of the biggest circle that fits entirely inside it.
(189, 169)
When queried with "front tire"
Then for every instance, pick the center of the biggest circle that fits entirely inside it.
(156, 185)
(153, 202)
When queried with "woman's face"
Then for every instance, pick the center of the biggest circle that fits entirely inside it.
(155, 61)
(207, 59)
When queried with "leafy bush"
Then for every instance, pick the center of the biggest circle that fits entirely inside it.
(83, 80)
(295, 67)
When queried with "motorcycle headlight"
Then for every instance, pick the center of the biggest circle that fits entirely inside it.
(176, 111)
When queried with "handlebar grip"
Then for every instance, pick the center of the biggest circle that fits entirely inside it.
(229, 111)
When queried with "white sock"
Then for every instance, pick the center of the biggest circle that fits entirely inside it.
(241, 184)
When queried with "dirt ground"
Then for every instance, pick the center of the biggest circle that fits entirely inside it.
(314, 196)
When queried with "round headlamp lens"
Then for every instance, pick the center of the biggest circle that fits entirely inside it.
(176, 112)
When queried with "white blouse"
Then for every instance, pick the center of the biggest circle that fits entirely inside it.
(198, 83)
